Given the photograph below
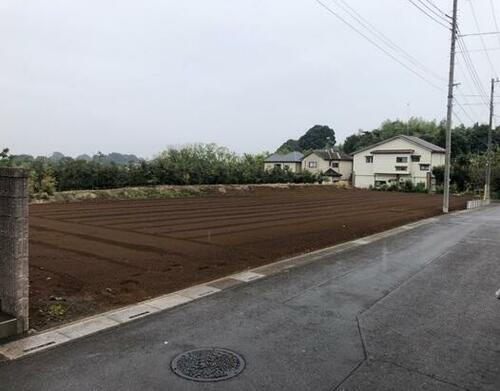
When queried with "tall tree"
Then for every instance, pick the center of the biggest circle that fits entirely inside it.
(319, 136)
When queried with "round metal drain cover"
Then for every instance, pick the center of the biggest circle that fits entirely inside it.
(208, 365)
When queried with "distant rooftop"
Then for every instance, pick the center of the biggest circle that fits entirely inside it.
(411, 139)
(425, 144)
(292, 157)
(331, 154)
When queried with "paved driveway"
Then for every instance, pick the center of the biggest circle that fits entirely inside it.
(416, 311)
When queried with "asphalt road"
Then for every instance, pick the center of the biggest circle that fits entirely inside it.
(416, 311)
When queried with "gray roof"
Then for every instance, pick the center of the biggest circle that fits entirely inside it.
(426, 144)
(411, 139)
(292, 157)
(331, 154)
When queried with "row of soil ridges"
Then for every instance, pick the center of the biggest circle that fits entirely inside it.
(90, 257)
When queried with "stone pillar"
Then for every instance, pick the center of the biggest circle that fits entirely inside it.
(14, 281)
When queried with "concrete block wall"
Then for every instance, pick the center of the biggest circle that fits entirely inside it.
(14, 246)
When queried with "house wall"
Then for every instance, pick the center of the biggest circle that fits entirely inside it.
(383, 167)
(322, 165)
(293, 167)
(438, 159)
(345, 166)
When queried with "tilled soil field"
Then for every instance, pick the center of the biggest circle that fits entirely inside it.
(93, 256)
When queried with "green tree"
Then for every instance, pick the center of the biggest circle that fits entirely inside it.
(4, 157)
(289, 146)
(319, 136)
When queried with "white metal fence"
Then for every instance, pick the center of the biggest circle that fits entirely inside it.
(477, 203)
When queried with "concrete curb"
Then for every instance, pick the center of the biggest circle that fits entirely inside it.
(107, 320)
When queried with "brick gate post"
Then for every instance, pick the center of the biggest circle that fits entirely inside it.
(14, 281)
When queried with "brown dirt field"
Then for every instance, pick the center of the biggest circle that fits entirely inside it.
(93, 256)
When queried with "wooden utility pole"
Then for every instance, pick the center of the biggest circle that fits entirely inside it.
(487, 183)
(451, 86)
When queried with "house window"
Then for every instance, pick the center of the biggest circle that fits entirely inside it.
(401, 159)
(425, 167)
(369, 159)
(286, 166)
(401, 168)
(313, 164)
(415, 158)
(277, 166)
(334, 164)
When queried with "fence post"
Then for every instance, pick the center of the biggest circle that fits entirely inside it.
(14, 246)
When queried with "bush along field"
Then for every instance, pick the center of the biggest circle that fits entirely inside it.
(200, 164)
(407, 187)
(209, 164)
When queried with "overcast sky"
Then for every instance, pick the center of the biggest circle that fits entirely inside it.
(136, 76)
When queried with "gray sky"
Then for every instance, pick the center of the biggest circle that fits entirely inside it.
(135, 76)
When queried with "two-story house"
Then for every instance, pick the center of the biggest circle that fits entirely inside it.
(330, 162)
(397, 159)
(291, 161)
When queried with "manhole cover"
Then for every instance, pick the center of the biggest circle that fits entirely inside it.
(209, 364)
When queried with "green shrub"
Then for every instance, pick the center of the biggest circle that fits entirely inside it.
(407, 186)
(420, 188)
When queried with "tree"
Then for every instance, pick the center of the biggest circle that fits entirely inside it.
(4, 157)
(319, 136)
(290, 145)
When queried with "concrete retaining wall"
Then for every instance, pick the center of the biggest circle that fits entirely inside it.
(14, 281)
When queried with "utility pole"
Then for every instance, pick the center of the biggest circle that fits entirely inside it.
(487, 186)
(408, 119)
(451, 86)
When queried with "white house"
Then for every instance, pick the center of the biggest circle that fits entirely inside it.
(396, 160)
(330, 162)
(291, 161)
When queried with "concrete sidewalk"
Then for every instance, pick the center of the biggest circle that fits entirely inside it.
(416, 311)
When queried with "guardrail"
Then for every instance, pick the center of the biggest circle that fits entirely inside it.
(477, 203)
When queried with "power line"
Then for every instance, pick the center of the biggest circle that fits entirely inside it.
(343, 20)
(473, 12)
(480, 33)
(472, 95)
(386, 40)
(476, 104)
(432, 4)
(472, 109)
(429, 15)
(472, 73)
(481, 50)
(495, 18)
(465, 111)
(471, 68)
(434, 12)
(467, 95)
(458, 118)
